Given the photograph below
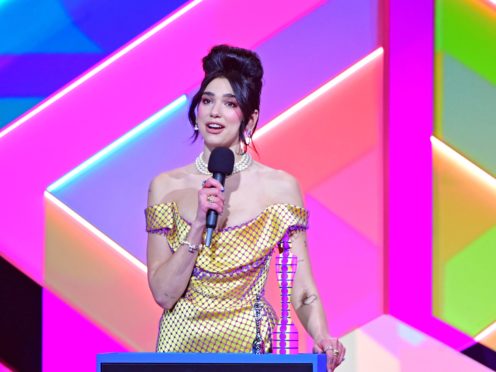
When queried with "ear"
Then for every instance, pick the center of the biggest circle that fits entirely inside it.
(252, 122)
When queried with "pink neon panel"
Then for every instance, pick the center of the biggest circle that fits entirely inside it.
(121, 96)
(355, 194)
(339, 253)
(4, 368)
(70, 340)
(409, 209)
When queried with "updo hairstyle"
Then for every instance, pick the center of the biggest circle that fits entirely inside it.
(244, 71)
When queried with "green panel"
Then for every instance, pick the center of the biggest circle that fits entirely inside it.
(466, 30)
(469, 114)
(470, 286)
(10, 108)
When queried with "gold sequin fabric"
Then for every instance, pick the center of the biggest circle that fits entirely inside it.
(216, 313)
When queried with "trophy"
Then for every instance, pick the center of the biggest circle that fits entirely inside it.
(258, 346)
(285, 334)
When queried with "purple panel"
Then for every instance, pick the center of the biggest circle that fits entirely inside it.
(112, 196)
(302, 57)
(411, 62)
(41, 74)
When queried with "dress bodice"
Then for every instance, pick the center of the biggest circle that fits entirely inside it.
(256, 237)
(227, 277)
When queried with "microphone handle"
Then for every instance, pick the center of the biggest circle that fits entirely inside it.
(211, 214)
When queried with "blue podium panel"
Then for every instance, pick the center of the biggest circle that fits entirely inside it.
(209, 362)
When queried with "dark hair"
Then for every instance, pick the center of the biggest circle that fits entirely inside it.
(244, 71)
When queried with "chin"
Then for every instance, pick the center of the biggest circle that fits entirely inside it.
(211, 141)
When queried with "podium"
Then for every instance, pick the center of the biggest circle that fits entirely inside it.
(210, 362)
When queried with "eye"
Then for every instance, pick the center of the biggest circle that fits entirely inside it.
(231, 104)
(205, 100)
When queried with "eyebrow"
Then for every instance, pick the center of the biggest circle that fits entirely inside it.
(228, 95)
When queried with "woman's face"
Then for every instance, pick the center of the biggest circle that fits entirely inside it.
(219, 115)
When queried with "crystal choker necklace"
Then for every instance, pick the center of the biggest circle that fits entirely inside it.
(239, 166)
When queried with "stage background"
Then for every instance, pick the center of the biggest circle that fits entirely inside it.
(391, 103)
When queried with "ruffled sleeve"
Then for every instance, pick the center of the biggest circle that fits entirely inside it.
(164, 219)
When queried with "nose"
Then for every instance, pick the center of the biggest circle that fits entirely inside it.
(215, 111)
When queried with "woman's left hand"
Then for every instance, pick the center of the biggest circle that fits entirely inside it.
(334, 350)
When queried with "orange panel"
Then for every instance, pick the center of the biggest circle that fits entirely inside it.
(330, 132)
(464, 209)
(489, 341)
(99, 282)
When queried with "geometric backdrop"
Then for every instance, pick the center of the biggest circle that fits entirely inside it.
(328, 101)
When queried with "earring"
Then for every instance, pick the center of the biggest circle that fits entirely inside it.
(196, 127)
(248, 137)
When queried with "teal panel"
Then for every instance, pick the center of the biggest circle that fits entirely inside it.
(40, 27)
(469, 113)
(10, 108)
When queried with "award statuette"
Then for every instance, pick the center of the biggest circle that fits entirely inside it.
(258, 346)
(285, 334)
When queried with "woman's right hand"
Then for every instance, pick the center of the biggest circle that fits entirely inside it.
(210, 196)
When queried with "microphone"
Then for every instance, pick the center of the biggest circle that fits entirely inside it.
(220, 164)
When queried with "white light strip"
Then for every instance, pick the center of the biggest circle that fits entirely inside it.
(486, 332)
(464, 162)
(109, 242)
(121, 141)
(317, 93)
(104, 64)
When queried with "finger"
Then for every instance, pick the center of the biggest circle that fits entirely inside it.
(342, 352)
(213, 183)
(214, 206)
(215, 201)
(214, 198)
(337, 358)
(212, 191)
(211, 202)
(317, 349)
(331, 360)
(330, 365)
(220, 204)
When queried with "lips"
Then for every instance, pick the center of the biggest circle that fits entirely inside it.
(214, 128)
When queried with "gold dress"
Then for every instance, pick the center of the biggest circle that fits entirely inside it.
(216, 314)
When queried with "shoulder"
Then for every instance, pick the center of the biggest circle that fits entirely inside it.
(281, 186)
(165, 183)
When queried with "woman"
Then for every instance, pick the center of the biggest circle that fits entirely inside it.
(208, 293)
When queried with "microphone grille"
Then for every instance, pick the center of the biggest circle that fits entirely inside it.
(221, 161)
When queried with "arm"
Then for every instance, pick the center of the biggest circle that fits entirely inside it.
(308, 306)
(169, 273)
(305, 296)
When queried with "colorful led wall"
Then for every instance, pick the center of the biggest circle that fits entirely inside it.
(335, 102)
(464, 155)
(45, 44)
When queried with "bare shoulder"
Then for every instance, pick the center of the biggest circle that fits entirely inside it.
(281, 186)
(166, 183)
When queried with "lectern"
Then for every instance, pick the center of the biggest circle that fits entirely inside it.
(210, 362)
